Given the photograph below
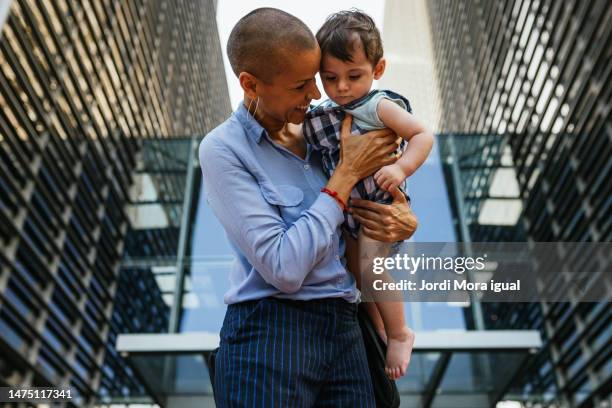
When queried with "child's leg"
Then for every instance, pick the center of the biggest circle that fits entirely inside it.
(352, 263)
(352, 256)
(400, 338)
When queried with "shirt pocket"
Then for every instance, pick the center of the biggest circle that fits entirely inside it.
(286, 198)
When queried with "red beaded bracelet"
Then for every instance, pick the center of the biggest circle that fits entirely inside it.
(334, 195)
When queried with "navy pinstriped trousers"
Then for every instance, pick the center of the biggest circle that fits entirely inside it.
(290, 353)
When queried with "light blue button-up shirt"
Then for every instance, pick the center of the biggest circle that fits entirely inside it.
(285, 233)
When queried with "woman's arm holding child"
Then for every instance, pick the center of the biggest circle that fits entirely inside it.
(404, 124)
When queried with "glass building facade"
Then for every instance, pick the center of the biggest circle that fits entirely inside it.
(102, 104)
(526, 145)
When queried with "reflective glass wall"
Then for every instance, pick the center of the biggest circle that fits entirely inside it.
(92, 181)
(525, 98)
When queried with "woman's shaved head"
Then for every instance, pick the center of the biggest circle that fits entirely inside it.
(261, 42)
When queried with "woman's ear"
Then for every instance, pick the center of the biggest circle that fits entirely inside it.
(379, 68)
(248, 83)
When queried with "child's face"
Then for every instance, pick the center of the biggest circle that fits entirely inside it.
(345, 81)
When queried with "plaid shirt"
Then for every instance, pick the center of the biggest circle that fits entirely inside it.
(322, 131)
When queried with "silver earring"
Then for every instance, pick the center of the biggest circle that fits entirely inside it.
(249, 107)
(256, 106)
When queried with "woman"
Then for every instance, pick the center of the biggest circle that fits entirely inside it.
(290, 334)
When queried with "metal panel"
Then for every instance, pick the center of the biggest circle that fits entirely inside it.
(199, 342)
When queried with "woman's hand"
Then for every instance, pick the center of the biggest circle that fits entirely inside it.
(385, 222)
(360, 156)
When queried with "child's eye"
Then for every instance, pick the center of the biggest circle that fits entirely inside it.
(301, 86)
(354, 77)
(330, 78)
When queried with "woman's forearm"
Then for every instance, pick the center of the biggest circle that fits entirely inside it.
(342, 182)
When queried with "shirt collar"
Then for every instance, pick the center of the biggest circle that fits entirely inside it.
(253, 129)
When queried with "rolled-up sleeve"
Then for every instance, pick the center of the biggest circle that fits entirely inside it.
(282, 254)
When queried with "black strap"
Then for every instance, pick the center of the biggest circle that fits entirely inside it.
(385, 390)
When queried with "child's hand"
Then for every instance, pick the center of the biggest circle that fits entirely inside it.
(389, 177)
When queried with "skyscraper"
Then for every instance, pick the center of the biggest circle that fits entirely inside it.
(525, 93)
(100, 104)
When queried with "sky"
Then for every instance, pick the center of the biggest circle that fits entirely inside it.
(313, 13)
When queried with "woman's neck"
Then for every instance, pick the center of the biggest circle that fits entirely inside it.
(291, 138)
(270, 124)
(278, 130)
(285, 134)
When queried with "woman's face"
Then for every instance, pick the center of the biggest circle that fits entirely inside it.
(286, 98)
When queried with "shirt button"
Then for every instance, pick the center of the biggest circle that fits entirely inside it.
(307, 167)
(337, 257)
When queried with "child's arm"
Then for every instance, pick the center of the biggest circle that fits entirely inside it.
(404, 124)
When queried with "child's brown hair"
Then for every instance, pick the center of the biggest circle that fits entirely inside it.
(341, 31)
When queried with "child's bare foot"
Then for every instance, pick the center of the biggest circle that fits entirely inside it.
(399, 349)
